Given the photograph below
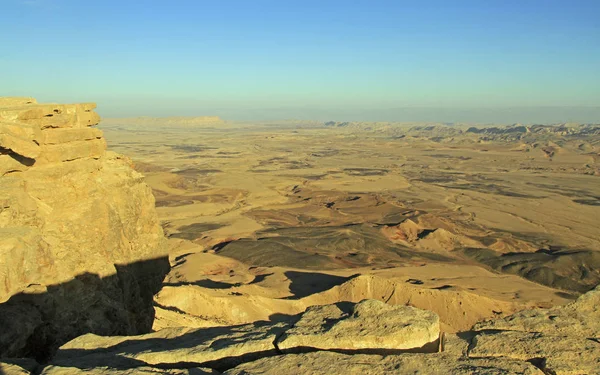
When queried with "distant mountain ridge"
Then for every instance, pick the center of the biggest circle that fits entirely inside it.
(190, 121)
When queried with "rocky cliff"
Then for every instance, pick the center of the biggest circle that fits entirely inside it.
(81, 248)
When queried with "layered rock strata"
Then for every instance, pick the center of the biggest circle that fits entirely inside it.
(81, 248)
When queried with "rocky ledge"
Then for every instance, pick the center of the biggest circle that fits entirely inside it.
(369, 337)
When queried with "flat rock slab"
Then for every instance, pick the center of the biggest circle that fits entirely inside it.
(555, 354)
(56, 370)
(220, 347)
(579, 319)
(372, 325)
(363, 364)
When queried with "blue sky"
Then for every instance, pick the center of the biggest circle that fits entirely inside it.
(308, 59)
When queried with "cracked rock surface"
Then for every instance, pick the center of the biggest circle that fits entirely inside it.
(371, 324)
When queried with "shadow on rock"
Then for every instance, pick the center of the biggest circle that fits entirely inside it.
(35, 322)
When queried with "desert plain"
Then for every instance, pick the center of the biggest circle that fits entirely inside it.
(266, 219)
(203, 246)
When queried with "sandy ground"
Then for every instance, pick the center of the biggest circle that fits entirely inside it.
(267, 220)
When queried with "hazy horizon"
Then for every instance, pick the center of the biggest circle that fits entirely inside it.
(509, 115)
(464, 61)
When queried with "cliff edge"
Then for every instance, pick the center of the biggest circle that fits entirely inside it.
(81, 248)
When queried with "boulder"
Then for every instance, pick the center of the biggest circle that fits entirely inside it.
(371, 325)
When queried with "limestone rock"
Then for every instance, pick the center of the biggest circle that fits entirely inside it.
(56, 136)
(10, 369)
(555, 354)
(56, 370)
(52, 115)
(21, 139)
(579, 319)
(9, 164)
(81, 247)
(218, 347)
(56, 153)
(409, 364)
(456, 344)
(17, 366)
(48, 133)
(371, 325)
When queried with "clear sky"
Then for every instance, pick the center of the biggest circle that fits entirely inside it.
(304, 58)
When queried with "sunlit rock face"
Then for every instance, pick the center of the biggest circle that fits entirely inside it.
(81, 248)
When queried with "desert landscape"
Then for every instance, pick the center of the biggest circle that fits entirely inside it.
(299, 187)
(199, 245)
(487, 219)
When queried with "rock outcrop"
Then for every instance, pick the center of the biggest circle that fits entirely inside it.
(368, 337)
(372, 325)
(218, 347)
(580, 318)
(560, 340)
(81, 248)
